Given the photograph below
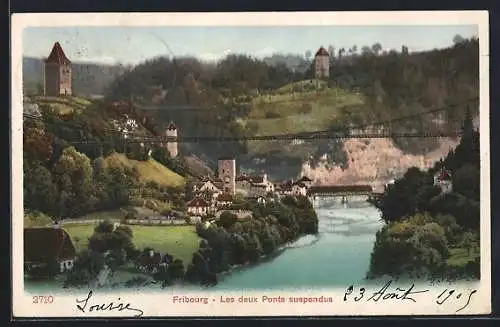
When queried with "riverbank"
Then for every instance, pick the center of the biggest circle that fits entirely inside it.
(338, 256)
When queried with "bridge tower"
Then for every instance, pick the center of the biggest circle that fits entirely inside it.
(172, 145)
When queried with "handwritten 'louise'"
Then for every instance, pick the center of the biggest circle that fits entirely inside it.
(87, 306)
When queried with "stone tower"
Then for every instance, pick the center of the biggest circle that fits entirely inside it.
(321, 64)
(172, 145)
(227, 173)
(57, 73)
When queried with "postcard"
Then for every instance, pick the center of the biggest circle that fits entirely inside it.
(250, 164)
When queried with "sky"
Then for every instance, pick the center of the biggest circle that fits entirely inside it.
(131, 45)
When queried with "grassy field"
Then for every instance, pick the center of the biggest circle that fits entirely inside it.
(63, 105)
(288, 112)
(150, 170)
(179, 241)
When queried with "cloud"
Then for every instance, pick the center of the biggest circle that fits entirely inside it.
(98, 60)
(264, 52)
(213, 56)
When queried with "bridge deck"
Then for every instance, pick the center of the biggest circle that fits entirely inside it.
(340, 190)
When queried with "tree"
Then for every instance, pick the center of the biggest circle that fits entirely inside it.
(466, 181)
(37, 144)
(308, 55)
(366, 50)
(227, 219)
(377, 47)
(40, 192)
(73, 177)
(457, 39)
(331, 52)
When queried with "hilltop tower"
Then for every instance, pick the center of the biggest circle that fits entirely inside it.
(57, 73)
(227, 173)
(321, 64)
(172, 145)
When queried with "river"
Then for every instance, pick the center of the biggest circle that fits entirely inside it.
(338, 256)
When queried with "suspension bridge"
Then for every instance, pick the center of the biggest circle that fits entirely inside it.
(434, 123)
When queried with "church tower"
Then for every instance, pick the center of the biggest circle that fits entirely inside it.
(172, 144)
(57, 73)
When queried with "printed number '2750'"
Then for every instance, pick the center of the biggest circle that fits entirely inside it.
(43, 299)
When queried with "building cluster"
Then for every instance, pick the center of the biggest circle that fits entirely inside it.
(215, 194)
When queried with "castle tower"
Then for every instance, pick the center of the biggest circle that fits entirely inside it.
(227, 173)
(57, 73)
(321, 64)
(172, 145)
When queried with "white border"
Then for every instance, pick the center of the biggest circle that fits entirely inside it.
(160, 304)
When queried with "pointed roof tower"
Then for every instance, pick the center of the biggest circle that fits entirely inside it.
(57, 56)
(321, 52)
(171, 126)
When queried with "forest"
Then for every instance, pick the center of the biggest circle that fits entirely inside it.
(428, 232)
(241, 95)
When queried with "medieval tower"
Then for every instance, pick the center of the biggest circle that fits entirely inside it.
(321, 64)
(172, 147)
(227, 173)
(57, 73)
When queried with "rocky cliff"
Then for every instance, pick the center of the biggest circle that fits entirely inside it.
(374, 162)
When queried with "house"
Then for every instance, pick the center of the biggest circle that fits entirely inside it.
(223, 200)
(259, 199)
(44, 246)
(443, 180)
(198, 207)
(255, 185)
(299, 189)
(305, 180)
(262, 181)
(286, 188)
(211, 187)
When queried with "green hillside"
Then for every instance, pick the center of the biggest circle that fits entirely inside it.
(291, 110)
(148, 171)
(63, 105)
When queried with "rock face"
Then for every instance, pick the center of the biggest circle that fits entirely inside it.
(374, 162)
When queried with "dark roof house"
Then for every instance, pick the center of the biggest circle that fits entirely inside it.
(47, 244)
(197, 202)
(225, 198)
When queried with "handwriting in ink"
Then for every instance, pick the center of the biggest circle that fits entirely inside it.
(445, 295)
(105, 307)
(385, 294)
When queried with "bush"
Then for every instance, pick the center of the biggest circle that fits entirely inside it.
(305, 108)
(414, 246)
(272, 114)
(227, 219)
